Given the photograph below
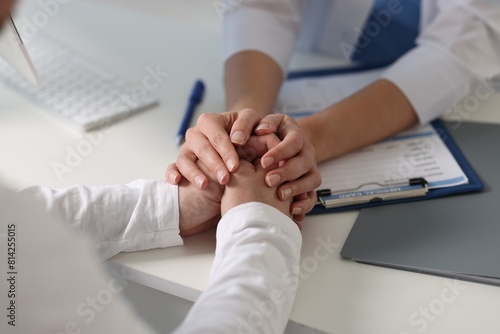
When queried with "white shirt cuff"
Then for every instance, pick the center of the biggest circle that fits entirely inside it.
(166, 214)
(256, 214)
(432, 80)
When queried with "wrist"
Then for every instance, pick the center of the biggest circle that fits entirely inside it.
(314, 131)
(330, 131)
(252, 80)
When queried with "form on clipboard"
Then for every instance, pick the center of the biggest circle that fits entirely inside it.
(420, 163)
(406, 165)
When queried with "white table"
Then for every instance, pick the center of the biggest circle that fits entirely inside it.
(183, 38)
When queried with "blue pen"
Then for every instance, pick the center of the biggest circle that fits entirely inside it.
(194, 100)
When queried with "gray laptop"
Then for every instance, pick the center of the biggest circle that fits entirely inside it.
(456, 236)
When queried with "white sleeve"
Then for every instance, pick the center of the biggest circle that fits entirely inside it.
(56, 283)
(254, 276)
(121, 218)
(268, 26)
(459, 45)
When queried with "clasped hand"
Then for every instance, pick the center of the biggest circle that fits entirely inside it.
(217, 146)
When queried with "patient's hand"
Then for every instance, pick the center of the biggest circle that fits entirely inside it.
(199, 210)
(247, 184)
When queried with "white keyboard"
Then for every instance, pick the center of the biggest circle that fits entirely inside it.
(74, 87)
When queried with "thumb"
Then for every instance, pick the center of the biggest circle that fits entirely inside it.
(243, 125)
(269, 124)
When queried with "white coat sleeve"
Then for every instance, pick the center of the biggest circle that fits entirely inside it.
(268, 26)
(121, 218)
(459, 45)
(254, 276)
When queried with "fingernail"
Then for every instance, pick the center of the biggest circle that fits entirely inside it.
(238, 138)
(220, 175)
(263, 126)
(273, 180)
(297, 210)
(172, 177)
(267, 162)
(230, 164)
(198, 180)
(286, 193)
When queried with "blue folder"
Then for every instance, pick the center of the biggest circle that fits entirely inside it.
(336, 70)
(474, 183)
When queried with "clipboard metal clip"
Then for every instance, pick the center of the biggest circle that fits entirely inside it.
(415, 187)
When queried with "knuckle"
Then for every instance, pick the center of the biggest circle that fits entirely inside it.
(287, 174)
(317, 179)
(203, 150)
(245, 111)
(180, 157)
(296, 141)
(309, 164)
(289, 119)
(190, 133)
(182, 162)
(184, 152)
(290, 122)
(204, 118)
(300, 188)
(248, 112)
(218, 139)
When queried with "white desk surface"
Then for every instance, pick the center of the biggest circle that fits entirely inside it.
(183, 38)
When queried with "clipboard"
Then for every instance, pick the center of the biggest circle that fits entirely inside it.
(337, 70)
(412, 189)
(474, 183)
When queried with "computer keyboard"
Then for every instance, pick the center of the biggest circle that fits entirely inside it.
(74, 87)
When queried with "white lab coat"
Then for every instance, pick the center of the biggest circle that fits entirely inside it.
(60, 287)
(459, 44)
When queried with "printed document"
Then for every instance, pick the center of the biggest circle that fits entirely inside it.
(416, 153)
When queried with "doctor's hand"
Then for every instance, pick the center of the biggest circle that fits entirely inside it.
(213, 141)
(299, 175)
(199, 210)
